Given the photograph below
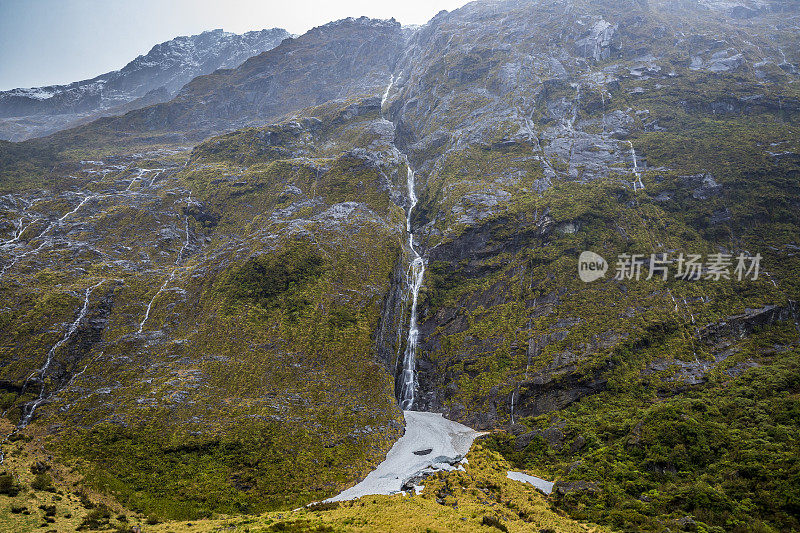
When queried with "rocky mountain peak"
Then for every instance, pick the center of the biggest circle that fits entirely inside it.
(149, 78)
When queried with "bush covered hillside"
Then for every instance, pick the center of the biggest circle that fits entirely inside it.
(207, 302)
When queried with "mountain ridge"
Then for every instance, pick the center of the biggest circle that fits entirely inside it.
(155, 76)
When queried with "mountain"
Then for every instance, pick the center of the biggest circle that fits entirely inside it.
(217, 304)
(148, 79)
(340, 59)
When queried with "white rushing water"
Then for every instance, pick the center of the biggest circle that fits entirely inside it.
(575, 106)
(416, 272)
(81, 204)
(157, 172)
(19, 229)
(136, 178)
(174, 271)
(603, 100)
(386, 92)
(24, 214)
(15, 259)
(637, 182)
(533, 138)
(141, 173)
(42, 235)
(29, 409)
(154, 298)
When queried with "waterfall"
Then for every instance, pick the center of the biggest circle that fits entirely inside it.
(691, 315)
(19, 229)
(792, 68)
(90, 197)
(141, 172)
(570, 126)
(175, 268)
(50, 226)
(15, 259)
(513, 392)
(636, 173)
(31, 407)
(135, 179)
(674, 301)
(416, 272)
(603, 98)
(158, 172)
(575, 108)
(386, 92)
(533, 138)
(153, 299)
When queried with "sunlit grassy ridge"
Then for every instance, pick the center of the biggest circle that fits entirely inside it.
(479, 498)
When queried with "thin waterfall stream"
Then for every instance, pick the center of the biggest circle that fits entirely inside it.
(416, 272)
(414, 276)
(637, 182)
(29, 409)
(175, 268)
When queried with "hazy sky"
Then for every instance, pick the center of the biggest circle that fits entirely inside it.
(44, 42)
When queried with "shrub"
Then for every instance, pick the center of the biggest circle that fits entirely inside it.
(38, 467)
(491, 521)
(301, 526)
(8, 486)
(7, 400)
(43, 481)
(96, 519)
(49, 510)
(262, 279)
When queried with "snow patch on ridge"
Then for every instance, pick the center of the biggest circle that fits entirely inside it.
(539, 483)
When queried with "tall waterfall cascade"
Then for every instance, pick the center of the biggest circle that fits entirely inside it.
(414, 275)
(30, 408)
(416, 272)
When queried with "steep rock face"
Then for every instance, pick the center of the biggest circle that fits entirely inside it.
(506, 109)
(540, 130)
(344, 58)
(154, 77)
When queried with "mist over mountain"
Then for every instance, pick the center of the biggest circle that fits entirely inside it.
(309, 285)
